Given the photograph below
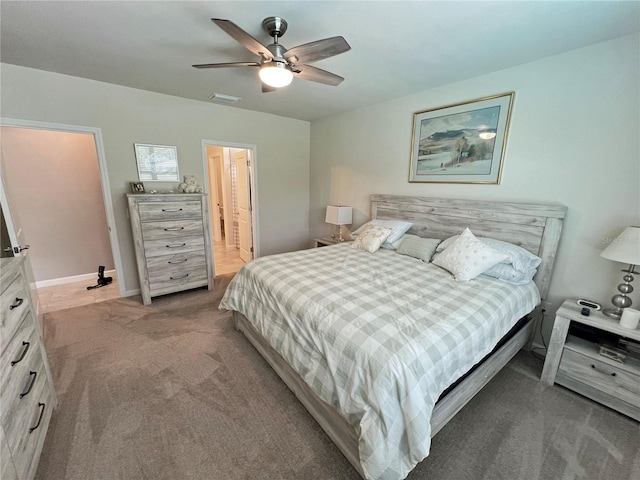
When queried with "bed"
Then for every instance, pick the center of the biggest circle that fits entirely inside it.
(379, 360)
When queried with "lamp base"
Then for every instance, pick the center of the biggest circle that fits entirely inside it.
(610, 312)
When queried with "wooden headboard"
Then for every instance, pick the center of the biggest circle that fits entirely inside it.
(535, 227)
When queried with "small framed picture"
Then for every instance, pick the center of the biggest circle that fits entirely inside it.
(137, 187)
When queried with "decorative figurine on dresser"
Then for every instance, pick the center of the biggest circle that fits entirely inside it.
(27, 397)
(172, 242)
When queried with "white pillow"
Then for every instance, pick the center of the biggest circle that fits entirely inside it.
(467, 257)
(398, 228)
(371, 238)
(521, 259)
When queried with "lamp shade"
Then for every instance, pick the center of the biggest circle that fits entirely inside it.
(338, 215)
(625, 248)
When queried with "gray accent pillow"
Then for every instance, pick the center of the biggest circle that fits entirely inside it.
(418, 247)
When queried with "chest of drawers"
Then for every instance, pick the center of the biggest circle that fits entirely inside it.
(27, 397)
(172, 242)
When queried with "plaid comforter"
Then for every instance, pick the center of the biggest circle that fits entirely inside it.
(378, 336)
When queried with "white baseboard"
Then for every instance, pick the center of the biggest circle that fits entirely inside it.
(87, 277)
(131, 293)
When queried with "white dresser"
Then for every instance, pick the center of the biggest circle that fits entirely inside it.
(27, 397)
(172, 242)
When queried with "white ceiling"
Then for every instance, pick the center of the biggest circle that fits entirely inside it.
(398, 47)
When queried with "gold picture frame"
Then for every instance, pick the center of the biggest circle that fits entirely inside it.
(461, 143)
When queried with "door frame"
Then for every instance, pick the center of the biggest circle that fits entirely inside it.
(253, 185)
(104, 178)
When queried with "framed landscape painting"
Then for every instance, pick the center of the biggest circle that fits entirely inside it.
(461, 143)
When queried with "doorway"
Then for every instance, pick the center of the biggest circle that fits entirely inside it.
(230, 182)
(64, 209)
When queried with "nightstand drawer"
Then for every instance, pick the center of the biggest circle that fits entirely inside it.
(612, 380)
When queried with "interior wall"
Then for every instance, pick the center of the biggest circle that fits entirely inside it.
(573, 140)
(127, 116)
(53, 180)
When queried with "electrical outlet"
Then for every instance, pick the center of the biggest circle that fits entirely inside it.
(546, 306)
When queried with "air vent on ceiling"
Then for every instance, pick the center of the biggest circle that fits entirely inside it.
(221, 98)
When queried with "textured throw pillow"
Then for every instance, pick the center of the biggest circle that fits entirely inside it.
(467, 257)
(371, 238)
(521, 259)
(414, 246)
(398, 227)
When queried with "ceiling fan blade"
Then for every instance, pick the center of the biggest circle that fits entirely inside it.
(224, 65)
(267, 88)
(307, 72)
(318, 50)
(242, 37)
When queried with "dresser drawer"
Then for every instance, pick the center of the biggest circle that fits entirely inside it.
(14, 303)
(7, 469)
(158, 211)
(21, 356)
(616, 381)
(21, 383)
(164, 246)
(173, 229)
(176, 263)
(174, 280)
(27, 435)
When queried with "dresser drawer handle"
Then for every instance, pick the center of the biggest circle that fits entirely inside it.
(177, 261)
(33, 380)
(171, 209)
(19, 302)
(180, 277)
(613, 374)
(24, 352)
(173, 229)
(177, 245)
(42, 407)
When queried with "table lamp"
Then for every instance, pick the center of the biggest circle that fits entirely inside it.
(338, 215)
(624, 249)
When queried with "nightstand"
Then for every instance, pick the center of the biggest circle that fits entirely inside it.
(324, 242)
(575, 362)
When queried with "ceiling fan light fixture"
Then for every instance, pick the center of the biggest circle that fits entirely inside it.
(276, 74)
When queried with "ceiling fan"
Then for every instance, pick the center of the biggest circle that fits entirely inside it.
(278, 65)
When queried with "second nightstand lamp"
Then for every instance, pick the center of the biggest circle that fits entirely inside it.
(339, 215)
(624, 249)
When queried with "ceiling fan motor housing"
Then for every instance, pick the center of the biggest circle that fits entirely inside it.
(275, 26)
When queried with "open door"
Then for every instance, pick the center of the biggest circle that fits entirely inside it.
(244, 205)
(215, 195)
(16, 244)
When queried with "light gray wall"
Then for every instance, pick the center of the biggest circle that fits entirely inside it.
(574, 139)
(53, 180)
(127, 116)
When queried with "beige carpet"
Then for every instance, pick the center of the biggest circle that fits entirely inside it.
(171, 391)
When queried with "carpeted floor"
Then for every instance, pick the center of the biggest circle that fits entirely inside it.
(171, 391)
